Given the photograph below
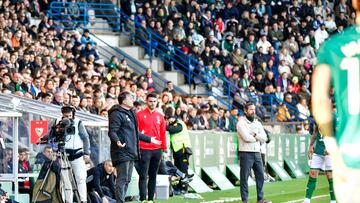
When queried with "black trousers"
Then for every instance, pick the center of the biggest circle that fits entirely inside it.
(124, 172)
(179, 162)
(147, 167)
(248, 161)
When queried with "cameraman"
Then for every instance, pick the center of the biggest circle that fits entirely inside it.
(77, 146)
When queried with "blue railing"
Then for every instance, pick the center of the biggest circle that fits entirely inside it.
(153, 45)
(193, 71)
(271, 102)
(139, 68)
(82, 14)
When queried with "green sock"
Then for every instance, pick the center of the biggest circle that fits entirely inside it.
(310, 187)
(331, 189)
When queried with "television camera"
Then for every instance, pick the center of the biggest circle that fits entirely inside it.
(60, 131)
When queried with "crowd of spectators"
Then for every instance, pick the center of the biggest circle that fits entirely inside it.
(262, 47)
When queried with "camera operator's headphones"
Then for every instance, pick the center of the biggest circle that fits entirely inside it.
(67, 109)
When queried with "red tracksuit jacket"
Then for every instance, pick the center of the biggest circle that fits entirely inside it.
(152, 124)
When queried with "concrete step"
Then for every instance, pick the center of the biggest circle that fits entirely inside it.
(99, 25)
(124, 41)
(134, 51)
(156, 64)
(174, 76)
(110, 39)
(200, 89)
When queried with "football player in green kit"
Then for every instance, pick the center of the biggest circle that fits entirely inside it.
(339, 62)
(319, 160)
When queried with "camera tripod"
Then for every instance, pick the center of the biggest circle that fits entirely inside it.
(67, 179)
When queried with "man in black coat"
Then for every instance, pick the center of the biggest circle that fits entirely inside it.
(124, 136)
(101, 179)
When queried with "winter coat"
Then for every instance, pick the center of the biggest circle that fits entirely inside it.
(123, 127)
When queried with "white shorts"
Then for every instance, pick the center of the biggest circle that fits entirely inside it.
(321, 162)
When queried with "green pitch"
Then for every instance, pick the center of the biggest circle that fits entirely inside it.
(282, 191)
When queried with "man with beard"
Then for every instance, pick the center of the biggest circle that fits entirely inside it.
(251, 136)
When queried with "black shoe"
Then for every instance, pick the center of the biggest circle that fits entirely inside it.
(186, 180)
(190, 175)
(264, 201)
(177, 192)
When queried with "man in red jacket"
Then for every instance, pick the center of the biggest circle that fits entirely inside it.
(152, 123)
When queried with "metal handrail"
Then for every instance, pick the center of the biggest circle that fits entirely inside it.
(160, 81)
(58, 12)
(39, 108)
(184, 61)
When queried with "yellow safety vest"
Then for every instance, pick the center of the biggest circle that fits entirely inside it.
(180, 139)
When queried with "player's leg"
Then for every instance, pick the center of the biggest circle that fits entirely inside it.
(329, 176)
(317, 163)
(346, 180)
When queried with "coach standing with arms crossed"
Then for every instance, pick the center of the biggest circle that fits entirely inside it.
(251, 135)
(124, 136)
(152, 123)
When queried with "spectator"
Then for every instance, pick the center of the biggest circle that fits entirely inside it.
(238, 57)
(44, 156)
(46, 98)
(85, 38)
(264, 43)
(233, 119)
(214, 123)
(89, 50)
(303, 109)
(258, 83)
(283, 82)
(283, 114)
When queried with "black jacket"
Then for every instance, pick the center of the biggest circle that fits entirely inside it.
(97, 177)
(123, 127)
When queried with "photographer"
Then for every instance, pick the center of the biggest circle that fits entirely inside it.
(71, 134)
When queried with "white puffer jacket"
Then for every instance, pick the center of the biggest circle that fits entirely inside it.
(246, 131)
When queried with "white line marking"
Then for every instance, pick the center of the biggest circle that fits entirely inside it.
(301, 200)
(228, 199)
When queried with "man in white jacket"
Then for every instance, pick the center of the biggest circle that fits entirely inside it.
(251, 134)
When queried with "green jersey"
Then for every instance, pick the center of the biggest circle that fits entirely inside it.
(342, 53)
(319, 144)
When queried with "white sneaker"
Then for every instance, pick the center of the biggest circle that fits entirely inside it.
(306, 200)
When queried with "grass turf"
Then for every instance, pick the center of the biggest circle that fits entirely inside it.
(277, 192)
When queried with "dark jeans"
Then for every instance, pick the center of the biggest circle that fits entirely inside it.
(248, 161)
(179, 161)
(124, 172)
(148, 165)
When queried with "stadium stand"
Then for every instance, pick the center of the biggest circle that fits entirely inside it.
(260, 51)
(267, 50)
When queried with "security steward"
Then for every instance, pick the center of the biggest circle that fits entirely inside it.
(180, 143)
